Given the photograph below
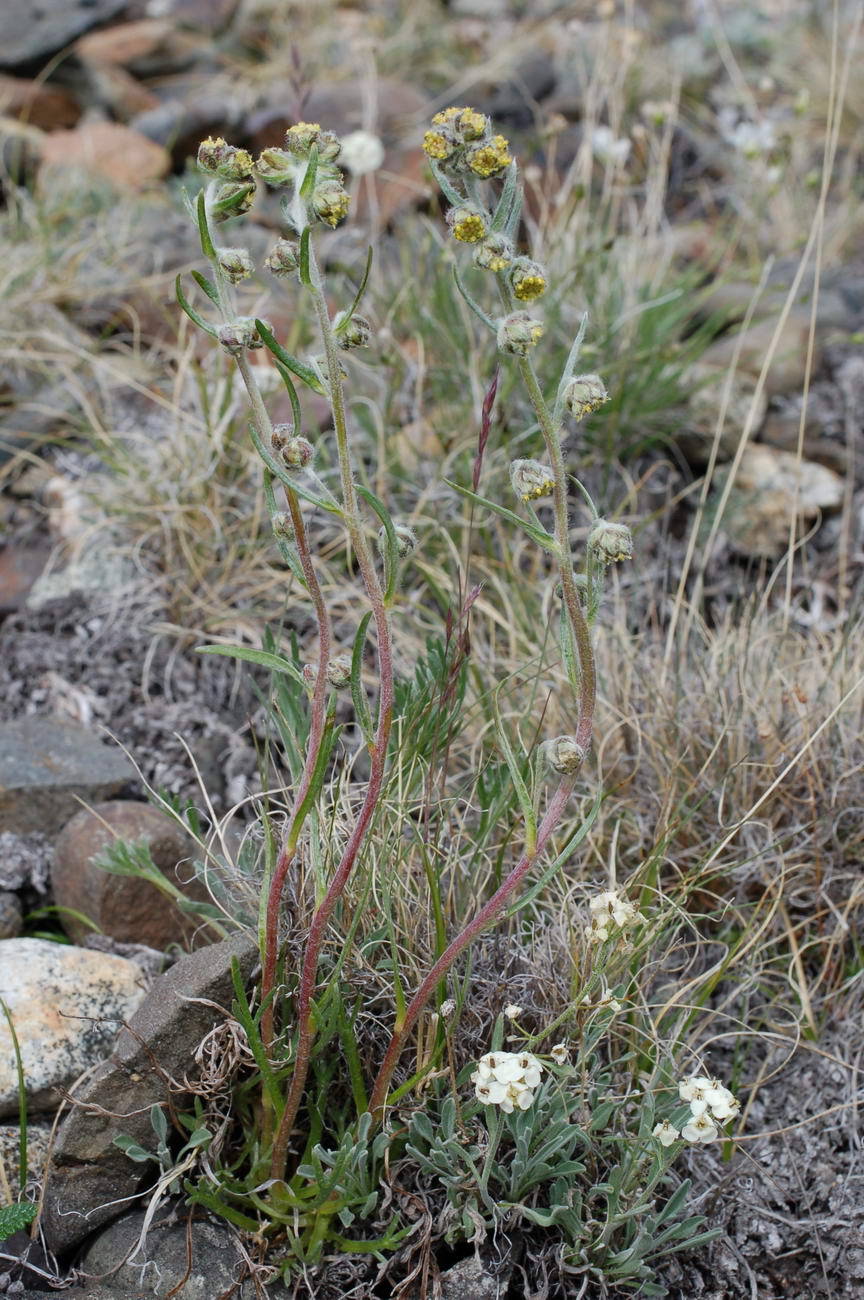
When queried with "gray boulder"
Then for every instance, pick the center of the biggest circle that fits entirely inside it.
(90, 1176)
(48, 767)
(32, 32)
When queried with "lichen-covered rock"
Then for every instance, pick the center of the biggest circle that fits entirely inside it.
(163, 1261)
(67, 1005)
(770, 489)
(90, 1176)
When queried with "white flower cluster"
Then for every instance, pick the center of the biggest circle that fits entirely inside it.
(747, 137)
(610, 912)
(609, 148)
(507, 1079)
(710, 1103)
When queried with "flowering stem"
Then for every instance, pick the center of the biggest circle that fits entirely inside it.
(317, 930)
(587, 696)
(316, 734)
(572, 603)
(484, 918)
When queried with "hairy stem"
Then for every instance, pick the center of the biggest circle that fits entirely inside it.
(572, 603)
(318, 928)
(316, 732)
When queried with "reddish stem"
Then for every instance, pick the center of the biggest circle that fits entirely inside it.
(484, 918)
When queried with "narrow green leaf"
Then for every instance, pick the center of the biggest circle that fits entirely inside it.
(501, 215)
(243, 1013)
(207, 285)
(191, 312)
(305, 273)
(358, 695)
(446, 188)
(207, 246)
(296, 412)
(276, 663)
(214, 1203)
(475, 307)
(307, 185)
(546, 540)
(553, 869)
(358, 297)
(286, 550)
(297, 367)
(392, 551)
(522, 793)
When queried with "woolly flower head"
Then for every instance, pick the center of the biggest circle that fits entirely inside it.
(362, 152)
(612, 915)
(507, 1079)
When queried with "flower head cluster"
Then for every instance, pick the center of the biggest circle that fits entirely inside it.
(609, 542)
(711, 1103)
(527, 279)
(530, 479)
(462, 139)
(507, 1079)
(286, 166)
(611, 914)
(468, 225)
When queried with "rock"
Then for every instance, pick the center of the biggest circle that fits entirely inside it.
(150, 47)
(786, 371)
(11, 917)
(162, 1263)
(89, 1174)
(713, 392)
(20, 566)
(31, 32)
(109, 149)
(97, 569)
(210, 16)
(48, 766)
(24, 861)
(181, 124)
(20, 153)
(117, 90)
(125, 908)
(38, 1139)
(39, 103)
(770, 486)
(65, 1004)
(474, 1279)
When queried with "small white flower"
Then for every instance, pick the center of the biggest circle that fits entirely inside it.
(610, 909)
(448, 1007)
(699, 1129)
(560, 1054)
(507, 1079)
(362, 152)
(693, 1087)
(748, 138)
(608, 148)
(522, 1097)
(512, 1011)
(665, 1133)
